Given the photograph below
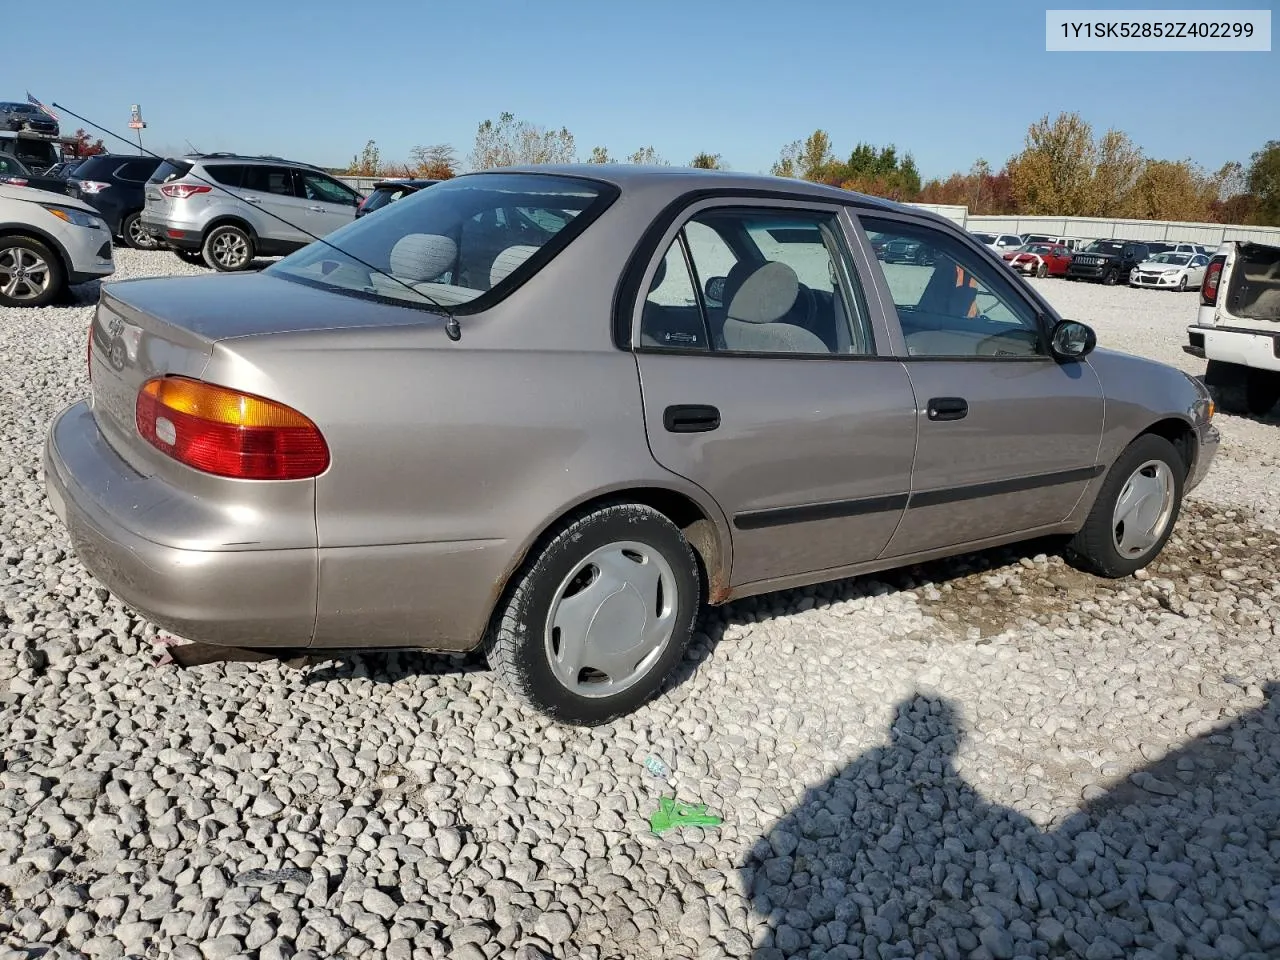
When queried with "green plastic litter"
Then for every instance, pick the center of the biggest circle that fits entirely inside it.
(671, 813)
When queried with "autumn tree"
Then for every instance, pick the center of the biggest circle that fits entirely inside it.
(511, 141)
(83, 145)
(1169, 190)
(648, 156)
(434, 162)
(367, 163)
(806, 160)
(707, 161)
(600, 155)
(1117, 167)
(1053, 173)
(1264, 184)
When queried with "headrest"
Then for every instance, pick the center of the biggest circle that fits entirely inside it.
(767, 295)
(422, 257)
(505, 263)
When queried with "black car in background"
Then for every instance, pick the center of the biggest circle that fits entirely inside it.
(26, 116)
(15, 173)
(388, 191)
(63, 169)
(114, 184)
(1107, 261)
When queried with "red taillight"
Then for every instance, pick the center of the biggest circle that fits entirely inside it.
(15, 181)
(1209, 289)
(229, 433)
(92, 186)
(180, 191)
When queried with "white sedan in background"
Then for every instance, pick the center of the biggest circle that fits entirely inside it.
(1170, 271)
(999, 242)
(48, 242)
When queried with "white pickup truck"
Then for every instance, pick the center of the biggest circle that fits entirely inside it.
(1238, 327)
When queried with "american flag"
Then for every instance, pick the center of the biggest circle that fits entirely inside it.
(34, 102)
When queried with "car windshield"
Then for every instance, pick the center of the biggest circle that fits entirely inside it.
(1105, 246)
(985, 237)
(1037, 248)
(1177, 259)
(454, 243)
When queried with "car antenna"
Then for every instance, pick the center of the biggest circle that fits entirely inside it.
(451, 326)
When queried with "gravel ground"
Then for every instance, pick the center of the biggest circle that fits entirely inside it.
(992, 757)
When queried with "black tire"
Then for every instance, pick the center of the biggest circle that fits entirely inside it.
(517, 645)
(193, 257)
(134, 235)
(40, 267)
(1110, 278)
(1227, 382)
(1042, 271)
(218, 244)
(1261, 391)
(1093, 548)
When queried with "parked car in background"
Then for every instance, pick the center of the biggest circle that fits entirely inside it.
(47, 243)
(63, 168)
(461, 496)
(113, 184)
(1237, 329)
(1106, 261)
(37, 151)
(1170, 271)
(229, 209)
(1040, 259)
(389, 191)
(15, 173)
(1000, 242)
(26, 116)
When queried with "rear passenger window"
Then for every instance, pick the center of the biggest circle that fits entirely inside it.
(227, 174)
(762, 281)
(269, 180)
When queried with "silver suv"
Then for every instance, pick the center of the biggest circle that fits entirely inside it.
(224, 209)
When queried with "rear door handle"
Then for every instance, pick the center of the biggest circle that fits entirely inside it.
(690, 418)
(252, 200)
(316, 209)
(948, 408)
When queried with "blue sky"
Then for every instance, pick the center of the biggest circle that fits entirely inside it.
(949, 81)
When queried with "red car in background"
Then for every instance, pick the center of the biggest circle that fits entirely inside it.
(1040, 259)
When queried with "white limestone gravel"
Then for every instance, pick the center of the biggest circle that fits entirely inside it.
(992, 757)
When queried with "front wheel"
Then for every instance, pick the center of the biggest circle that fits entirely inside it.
(1135, 511)
(228, 248)
(1110, 278)
(599, 617)
(1182, 284)
(31, 275)
(1042, 271)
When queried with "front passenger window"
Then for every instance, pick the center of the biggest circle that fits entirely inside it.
(950, 301)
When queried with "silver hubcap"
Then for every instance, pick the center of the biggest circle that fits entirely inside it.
(24, 275)
(230, 250)
(1143, 510)
(139, 236)
(612, 619)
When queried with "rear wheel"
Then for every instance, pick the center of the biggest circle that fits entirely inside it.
(228, 248)
(134, 235)
(31, 275)
(599, 617)
(193, 257)
(1135, 511)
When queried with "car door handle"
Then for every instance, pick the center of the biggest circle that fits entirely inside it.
(948, 408)
(316, 209)
(690, 418)
(252, 199)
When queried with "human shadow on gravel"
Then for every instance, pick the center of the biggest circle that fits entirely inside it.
(897, 856)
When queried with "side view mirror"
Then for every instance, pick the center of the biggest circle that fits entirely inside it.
(714, 289)
(1072, 340)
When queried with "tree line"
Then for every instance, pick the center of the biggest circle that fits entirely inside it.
(1063, 169)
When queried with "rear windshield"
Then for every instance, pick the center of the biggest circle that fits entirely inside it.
(384, 195)
(170, 170)
(455, 243)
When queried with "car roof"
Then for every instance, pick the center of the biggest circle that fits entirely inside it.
(681, 180)
(403, 182)
(244, 158)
